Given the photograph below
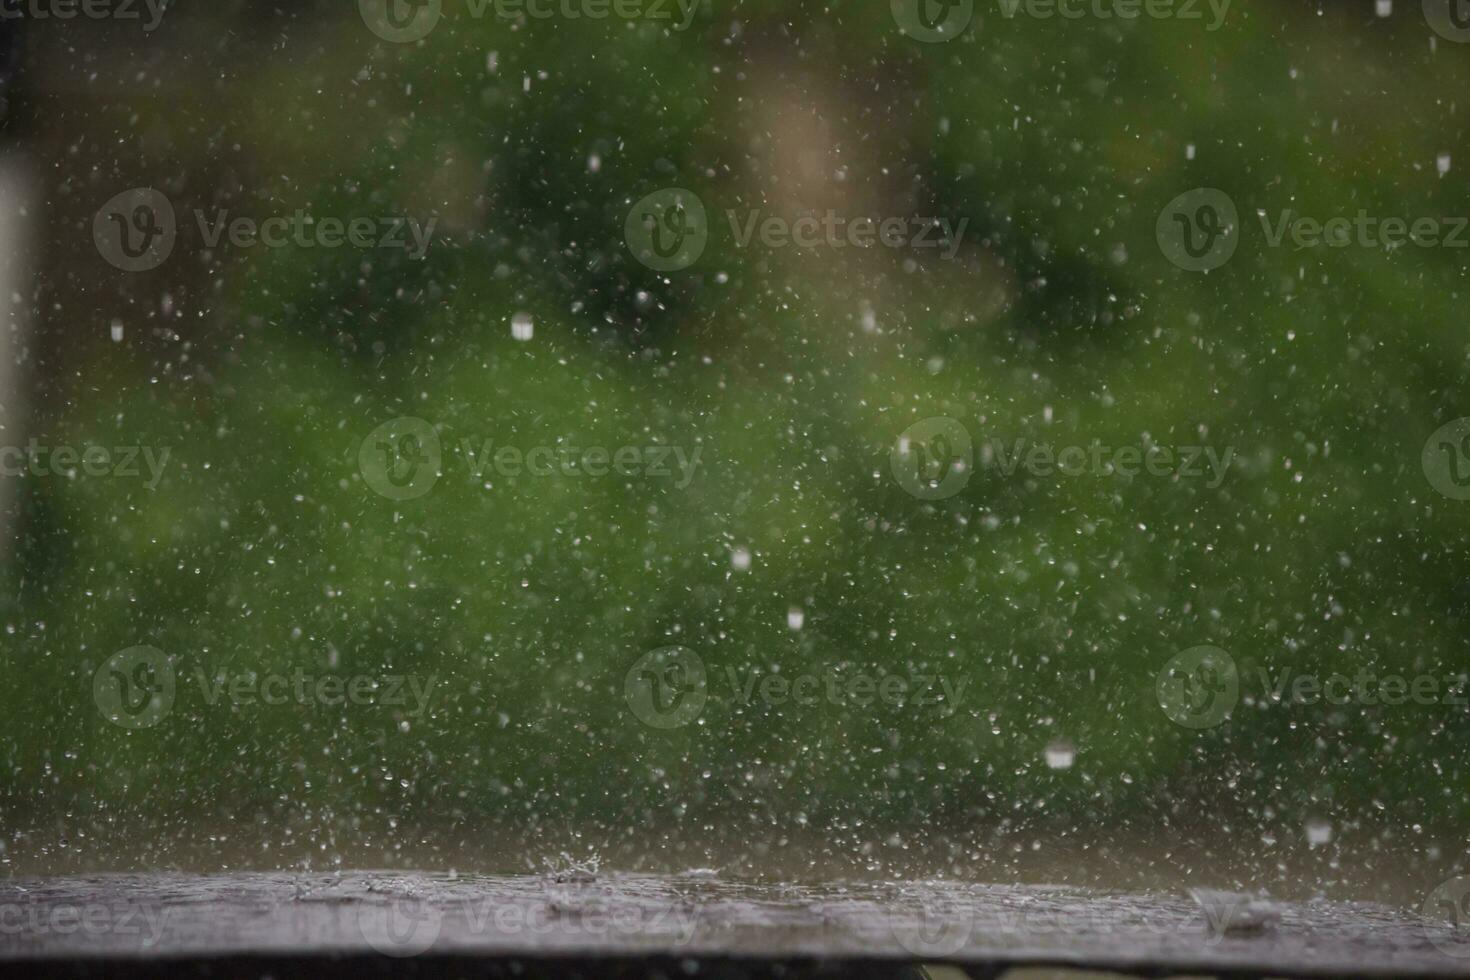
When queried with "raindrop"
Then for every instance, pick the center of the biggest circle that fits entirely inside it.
(1061, 754)
(522, 326)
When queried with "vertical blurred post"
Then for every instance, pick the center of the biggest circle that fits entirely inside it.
(19, 203)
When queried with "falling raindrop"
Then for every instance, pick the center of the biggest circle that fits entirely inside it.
(1060, 754)
(522, 326)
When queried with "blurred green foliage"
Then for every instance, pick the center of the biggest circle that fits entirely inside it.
(1056, 600)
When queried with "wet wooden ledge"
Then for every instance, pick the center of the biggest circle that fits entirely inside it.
(431, 925)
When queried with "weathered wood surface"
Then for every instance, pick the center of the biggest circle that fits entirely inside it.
(427, 918)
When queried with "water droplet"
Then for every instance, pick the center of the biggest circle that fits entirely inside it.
(522, 326)
(1061, 754)
(795, 618)
(740, 559)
